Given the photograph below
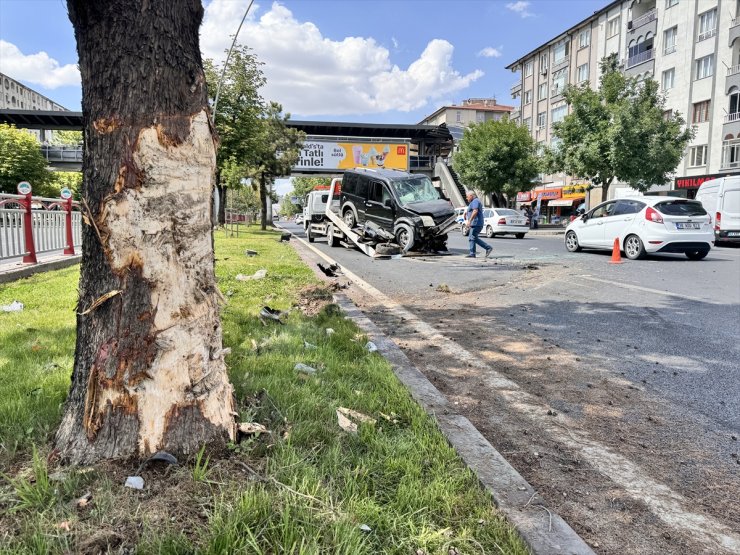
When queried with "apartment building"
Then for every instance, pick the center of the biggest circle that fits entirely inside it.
(16, 96)
(472, 110)
(690, 47)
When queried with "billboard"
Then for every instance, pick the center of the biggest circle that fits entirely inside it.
(326, 155)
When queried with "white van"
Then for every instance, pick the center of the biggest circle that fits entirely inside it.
(721, 198)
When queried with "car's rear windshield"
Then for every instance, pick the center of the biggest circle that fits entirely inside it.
(681, 208)
(507, 212)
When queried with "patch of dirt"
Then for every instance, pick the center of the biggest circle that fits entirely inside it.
(671, 446)
(313, 298)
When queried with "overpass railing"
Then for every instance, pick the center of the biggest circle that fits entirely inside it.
(33, 225)
(53, 153)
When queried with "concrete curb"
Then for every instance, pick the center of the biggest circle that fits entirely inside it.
(544, 532)
(12, 274)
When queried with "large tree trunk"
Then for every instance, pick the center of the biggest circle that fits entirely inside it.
(605, 189)
(221, 203)
(149, 372)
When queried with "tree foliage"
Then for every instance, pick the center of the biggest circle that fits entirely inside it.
(619, 132)
(66, 137)
(21, 160)
(276, 151)
(497, 157)
(287, 208)
(305, 184)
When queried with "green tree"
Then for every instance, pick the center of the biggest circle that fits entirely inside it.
(276, 152)
(71, 180)
(238, 112)
(287, 208)
(497, 157)
(619, 132)
(21, 160)
(66, 137)
(305, 184)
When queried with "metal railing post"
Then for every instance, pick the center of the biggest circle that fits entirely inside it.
(30, 257)
(70, 248)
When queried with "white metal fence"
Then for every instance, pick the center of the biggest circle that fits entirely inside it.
(48, 220)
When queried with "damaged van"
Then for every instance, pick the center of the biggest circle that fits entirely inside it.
(403, 204)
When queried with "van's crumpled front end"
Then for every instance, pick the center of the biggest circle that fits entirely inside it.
(435, 219)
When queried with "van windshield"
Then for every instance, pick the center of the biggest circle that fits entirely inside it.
(415, 189)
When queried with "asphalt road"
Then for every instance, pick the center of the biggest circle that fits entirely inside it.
(640, 359)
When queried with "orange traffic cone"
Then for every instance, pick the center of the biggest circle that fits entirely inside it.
(616, 255)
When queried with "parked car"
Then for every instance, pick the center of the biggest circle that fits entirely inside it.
(460, 215)
(502, 221)
(299, 219)
(721, 198)
(649, 224)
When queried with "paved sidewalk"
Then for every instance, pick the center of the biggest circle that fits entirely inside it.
(13, 269)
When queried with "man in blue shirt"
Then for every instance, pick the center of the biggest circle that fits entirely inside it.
(475, 224)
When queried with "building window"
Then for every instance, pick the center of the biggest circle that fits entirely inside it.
(612, 27)
(707, 24)
(705, 67)
(527, 99)
(558, 81)
(582, 73)
(528, 124)
(669, 77)
(542, 91)
(670, 3)
(667, 115)
(544, 62)
(480, 117)
(669, 40)
(558, 114)
(528, 68)
(560, 52)
(458, 117)
(730, 153)
(701, 112)
(698, 156)
(541, 120)
(584, 38)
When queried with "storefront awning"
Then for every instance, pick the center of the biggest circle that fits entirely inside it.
(563, 202)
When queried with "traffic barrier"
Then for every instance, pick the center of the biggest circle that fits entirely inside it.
(616, 255)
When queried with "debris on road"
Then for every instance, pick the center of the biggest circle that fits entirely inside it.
(371, 347)
(345, 417)
(332, 270)
(251, 428)
(268, 313)
(134, 482)
(249, 252)
(15, 306)
(300, 367)
(259, 274)
(285, 237)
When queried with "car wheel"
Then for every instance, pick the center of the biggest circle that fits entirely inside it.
(571, 241)
(489, 232)
(633, 247)
(519, 235)
(405, 238)
(386, 249)
(349, 218)
(465, 230)
(309, 234)
(697, 255)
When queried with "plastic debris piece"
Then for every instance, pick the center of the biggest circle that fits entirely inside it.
(249, 252)
(365, 528)
(346, 416)
(259, 274)
(371, 347)
(330, 331)
(134, 482)
(162, 456)
(268, 313)
(15, 306)
(249, 428)
(307, 345)
(305, 368)
(84, 501)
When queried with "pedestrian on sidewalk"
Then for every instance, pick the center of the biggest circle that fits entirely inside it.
(474, 215)
(535, 218)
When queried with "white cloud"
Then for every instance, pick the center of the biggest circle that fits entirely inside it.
(490, 52)
(310, 74)
(520, 7)
(395, 42)
(38, 68)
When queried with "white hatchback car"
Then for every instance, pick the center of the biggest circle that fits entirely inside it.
(643, 225)
(502, 221)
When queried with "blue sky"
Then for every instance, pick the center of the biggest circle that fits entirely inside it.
(341, 60)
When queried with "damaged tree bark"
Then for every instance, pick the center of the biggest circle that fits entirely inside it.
(149, 372)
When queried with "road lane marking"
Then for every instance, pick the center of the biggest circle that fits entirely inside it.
(669, 506)
(649, 290)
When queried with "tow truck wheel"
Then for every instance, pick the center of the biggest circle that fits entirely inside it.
(405, 238)
(309, 235)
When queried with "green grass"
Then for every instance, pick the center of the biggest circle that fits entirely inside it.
(305, 487)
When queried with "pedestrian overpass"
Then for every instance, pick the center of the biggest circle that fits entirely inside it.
(425, 147)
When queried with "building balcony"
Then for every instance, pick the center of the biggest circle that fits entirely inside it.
(732, 117)
(734, 30)
(560, 65)
(733, 78)
(640, 58)
(515, 115)
(706, 35)
(516, 89)
(731, 125)
(670, 49)
(642, 20)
